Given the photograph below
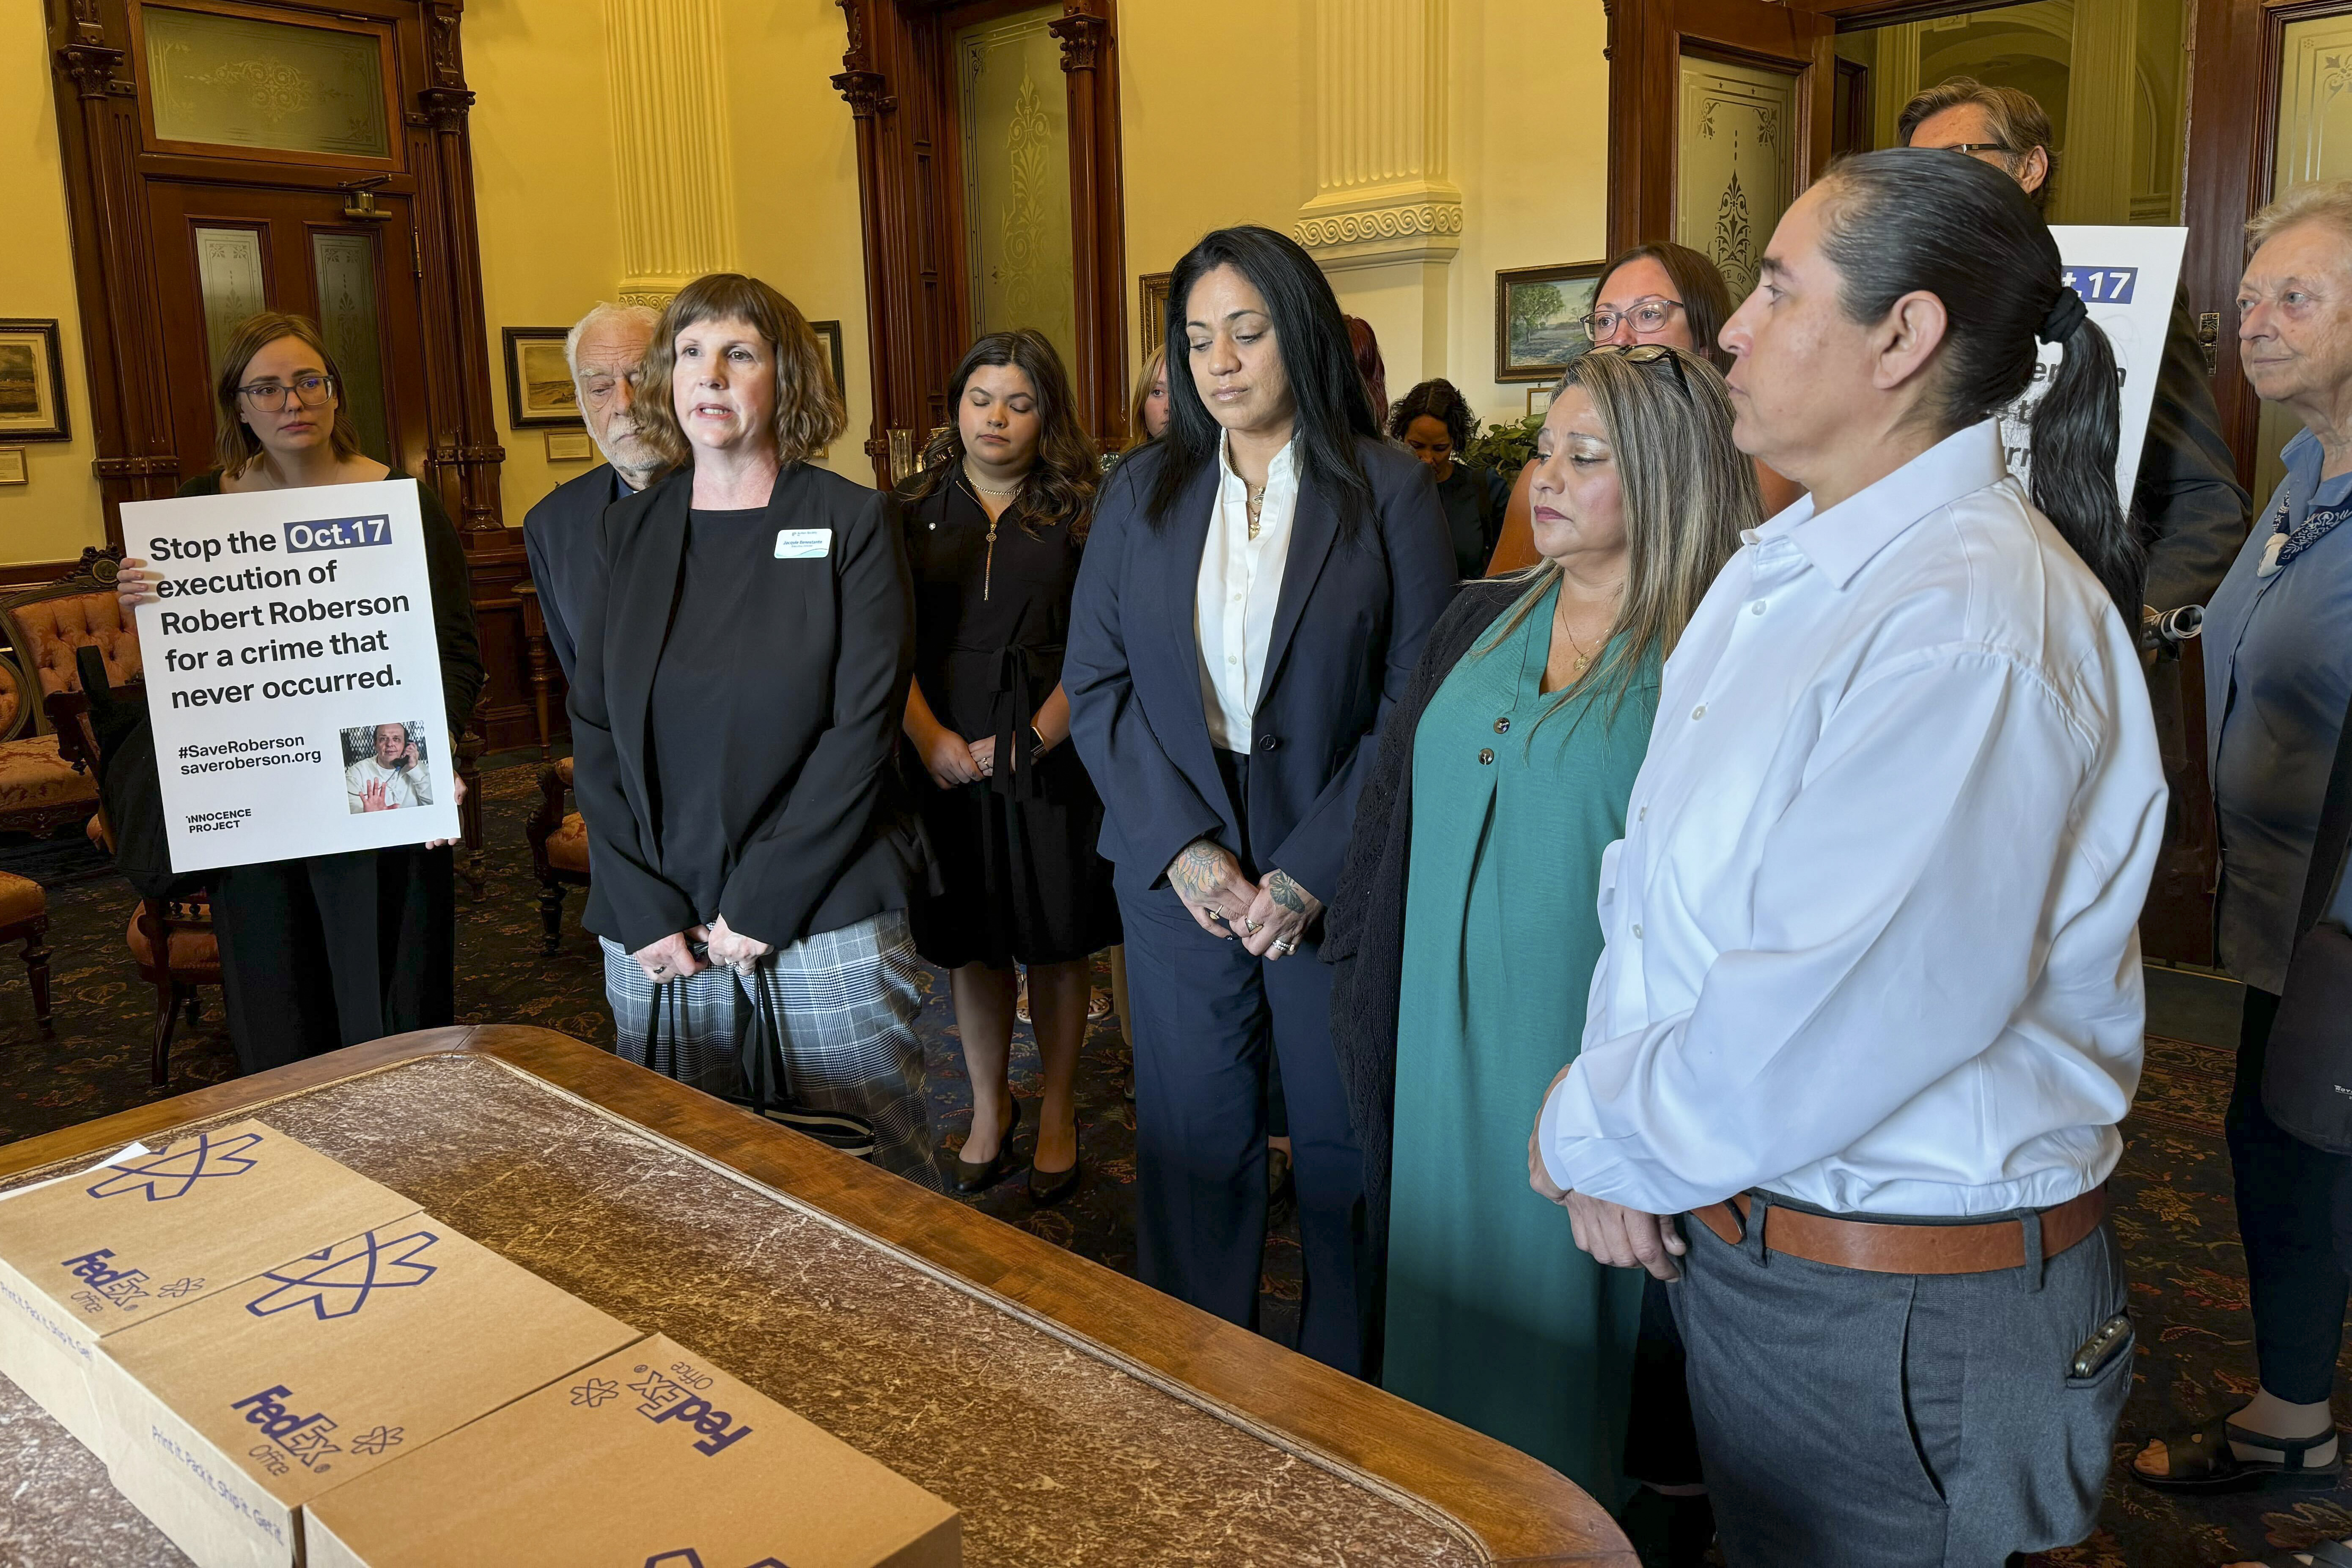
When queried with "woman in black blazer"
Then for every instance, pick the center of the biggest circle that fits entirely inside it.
(745, 644)
(1255, 596)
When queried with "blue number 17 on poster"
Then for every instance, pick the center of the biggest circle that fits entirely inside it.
(2103, 285)
(337, 533)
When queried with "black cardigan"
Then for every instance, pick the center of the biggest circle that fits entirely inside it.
(1363, 927)
(820, 832)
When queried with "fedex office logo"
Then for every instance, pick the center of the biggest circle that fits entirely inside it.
(662, 1398)
(115, 1286)
(173, 1173)
(305, 1439)
(337, 1281)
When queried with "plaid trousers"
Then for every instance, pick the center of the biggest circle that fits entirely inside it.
(846, 1001)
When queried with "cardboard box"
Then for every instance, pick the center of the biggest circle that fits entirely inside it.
(653, 1459)
(225, 1417)
(151, 1233)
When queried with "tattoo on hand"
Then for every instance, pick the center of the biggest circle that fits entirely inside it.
(1196, 868)
(1287, 893)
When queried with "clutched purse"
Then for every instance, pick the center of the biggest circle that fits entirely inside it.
(766, 1078)
(2307, 1070)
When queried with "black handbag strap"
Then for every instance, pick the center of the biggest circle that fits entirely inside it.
(2335, 834)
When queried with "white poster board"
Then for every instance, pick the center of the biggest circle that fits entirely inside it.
(291, 651)
(2126, 276)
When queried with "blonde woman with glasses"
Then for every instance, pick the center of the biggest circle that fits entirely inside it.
(1464, 932)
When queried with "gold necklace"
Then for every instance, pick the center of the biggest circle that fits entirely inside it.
(988, 566)
(1255, 505)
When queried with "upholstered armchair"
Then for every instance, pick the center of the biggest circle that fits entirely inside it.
(41, 791)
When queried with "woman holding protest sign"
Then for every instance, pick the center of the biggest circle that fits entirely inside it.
(326, 950)
(746, 641)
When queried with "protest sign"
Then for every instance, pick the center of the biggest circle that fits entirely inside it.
(2126, 276)
(293, 676)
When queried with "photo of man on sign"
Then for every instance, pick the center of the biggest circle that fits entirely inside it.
(389, 768)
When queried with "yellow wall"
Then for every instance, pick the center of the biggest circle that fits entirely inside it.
(58, 513)
(1209, 138)
(543, 123)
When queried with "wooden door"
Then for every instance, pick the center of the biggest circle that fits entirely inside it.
(222, 252)
(900, 78)
(1700, 87)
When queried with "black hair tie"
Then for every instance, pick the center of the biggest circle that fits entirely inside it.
(2067, 312)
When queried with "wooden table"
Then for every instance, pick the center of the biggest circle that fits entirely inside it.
(1076, 1416)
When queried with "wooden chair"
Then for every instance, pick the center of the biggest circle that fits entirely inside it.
(544, 702)
(40, 790)
(559, 847)
(170, 939)
(467, 764)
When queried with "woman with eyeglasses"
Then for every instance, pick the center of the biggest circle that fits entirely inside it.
(1661, 293)
(328, 950)
(1464, 934)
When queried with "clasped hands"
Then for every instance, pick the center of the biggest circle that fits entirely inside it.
(1612, 1233)
(674, 956)
(1271, 915)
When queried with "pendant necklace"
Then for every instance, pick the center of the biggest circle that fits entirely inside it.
(988, 568)
(1257, 504)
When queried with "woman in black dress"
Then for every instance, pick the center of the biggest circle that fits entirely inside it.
(996, 524)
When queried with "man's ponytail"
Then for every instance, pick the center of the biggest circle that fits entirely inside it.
(2074, 431)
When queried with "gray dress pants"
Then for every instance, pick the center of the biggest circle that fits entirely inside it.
(1858, 1420)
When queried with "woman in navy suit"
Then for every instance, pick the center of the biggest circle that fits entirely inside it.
(1254, 598)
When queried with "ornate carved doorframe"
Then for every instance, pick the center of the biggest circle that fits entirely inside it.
(898, 77)
(140, 455)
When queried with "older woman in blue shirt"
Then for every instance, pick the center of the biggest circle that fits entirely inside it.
(2278, 676)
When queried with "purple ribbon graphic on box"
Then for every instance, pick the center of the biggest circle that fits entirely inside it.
(178, 1168)
(338, 1281)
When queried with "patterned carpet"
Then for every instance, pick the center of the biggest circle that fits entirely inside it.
(2171, 1193)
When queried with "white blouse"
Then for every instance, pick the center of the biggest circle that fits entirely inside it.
(1872, 932)
(1239, 586)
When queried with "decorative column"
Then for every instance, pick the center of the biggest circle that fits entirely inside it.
(1893, 79)
(2095, 180)
(466, 453)
(1384, 211)
(677, 177)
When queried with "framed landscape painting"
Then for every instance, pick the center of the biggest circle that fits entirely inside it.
(828, 336)
(539, 384)
(1538, 316)
(32, 383)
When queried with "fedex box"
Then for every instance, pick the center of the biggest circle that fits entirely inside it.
(651, 1458)
(86, 1258)
(225, 1417)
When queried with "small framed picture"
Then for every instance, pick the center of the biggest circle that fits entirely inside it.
(1538, 312)
(1539, 400)
(569, 447)
(828, 334)
(540, 393)
(12, 466)
(32, 382)
(1152, 289)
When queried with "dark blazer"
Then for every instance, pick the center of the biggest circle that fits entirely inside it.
(2192, 513)
(559, 535)
(1363, 928)
(1347, 628)
(818, 831)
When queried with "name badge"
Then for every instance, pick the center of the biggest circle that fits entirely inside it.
(803, 543)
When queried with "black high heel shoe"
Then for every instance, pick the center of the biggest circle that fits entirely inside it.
(1047, 1188)
(972, 1178)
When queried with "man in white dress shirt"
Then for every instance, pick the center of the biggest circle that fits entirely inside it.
(1870, 1006)
(391, 776)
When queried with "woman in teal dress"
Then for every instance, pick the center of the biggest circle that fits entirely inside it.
(1465, 925)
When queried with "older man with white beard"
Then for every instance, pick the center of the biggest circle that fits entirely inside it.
(604, 350)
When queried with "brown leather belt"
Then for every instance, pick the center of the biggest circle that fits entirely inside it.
(1908, 1249)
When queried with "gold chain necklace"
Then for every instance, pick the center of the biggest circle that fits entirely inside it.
(1256, 504)
(988, 568)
